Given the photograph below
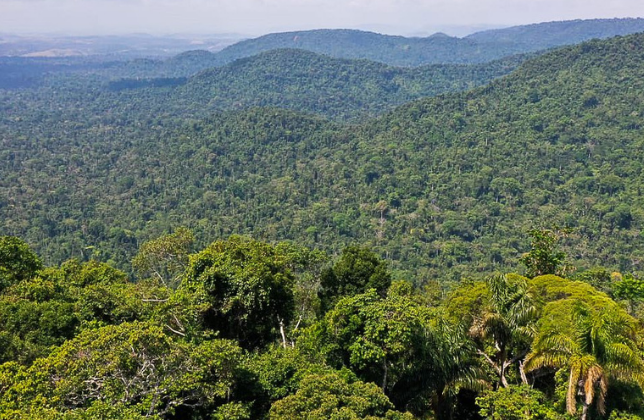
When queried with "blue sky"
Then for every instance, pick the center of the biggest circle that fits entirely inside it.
(255, 17)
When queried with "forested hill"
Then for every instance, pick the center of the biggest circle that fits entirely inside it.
(438, 48)
(553, 34)
(341, 89)
(295, 79)
(482, 47)
(441, 187)
(559, 141)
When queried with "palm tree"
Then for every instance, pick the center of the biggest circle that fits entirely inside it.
(508, 324)
(448, 365)
(596, 345)
(454, 368)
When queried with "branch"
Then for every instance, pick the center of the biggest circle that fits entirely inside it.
(490, 361)
(518, 357)
(175, 331)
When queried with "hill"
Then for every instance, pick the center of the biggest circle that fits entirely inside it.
(441, 187)
(340, 89)
(300, 80)
(553, 34)
(438, 48)
(478, 48)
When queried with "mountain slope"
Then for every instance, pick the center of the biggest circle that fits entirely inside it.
(442, 187)
(335, 88)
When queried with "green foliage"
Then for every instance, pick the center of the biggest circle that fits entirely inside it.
(544, 257)
(357, 271)
(232, 411)
(246, 288)
(594, 344)
(598, 277)
(279, 175)
(165, 258)
(616, 415)
(56, 304)
(630, 289)
(504, 330)
(336, 88)
(378, 338)
(330, 397)
(80, 342)
(17, 261)
(280, 370)
(441, 189)
(516, 403)
(134, 364)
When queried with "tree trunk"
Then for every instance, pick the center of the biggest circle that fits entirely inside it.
(584, 411)
(504, 380)
(524, 378)
(384, 376)
(282, 332)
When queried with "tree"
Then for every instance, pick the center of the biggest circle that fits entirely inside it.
(357, 271)
(17, 261)
(505, 328)
(165, 258)
(594, 344)
(516, 403)
(377, 338)
(307, 266)
(419, 361)
(243, 290)
(630, 289)
(277, 373)
(544, 257)
(133, 365)
(331, 397)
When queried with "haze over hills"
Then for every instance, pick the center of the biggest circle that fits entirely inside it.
(25, 72)
(438, 48)
(112, 57)
(133, 45)
(446, 185)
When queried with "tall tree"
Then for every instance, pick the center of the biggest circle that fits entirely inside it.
(357, 271)
(595, 345)
(544, 256)
(242, 289)
(505, 328)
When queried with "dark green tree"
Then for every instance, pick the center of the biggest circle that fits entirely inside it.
(357, 271)
(17, 261)
(243, 289)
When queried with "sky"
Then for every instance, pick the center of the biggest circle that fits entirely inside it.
(256, 17)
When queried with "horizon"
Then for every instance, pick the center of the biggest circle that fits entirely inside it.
(252, 18)
(457, 31)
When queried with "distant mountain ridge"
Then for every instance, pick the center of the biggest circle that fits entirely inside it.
(438, 48)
